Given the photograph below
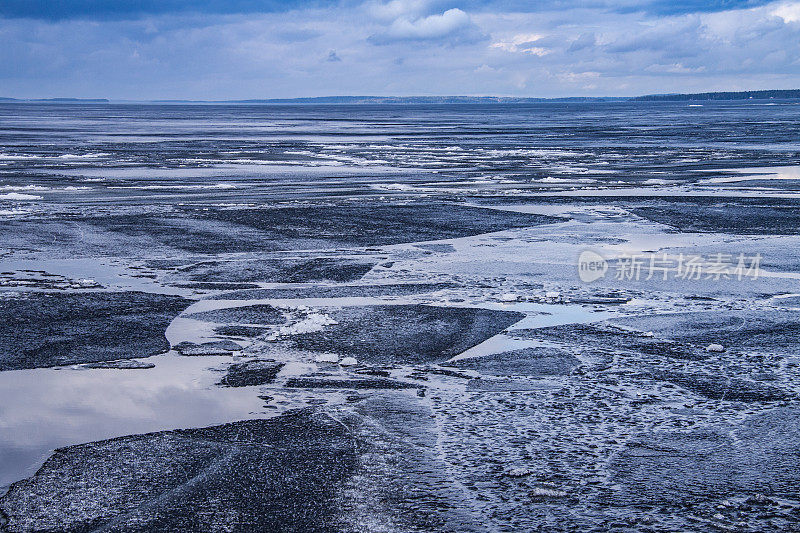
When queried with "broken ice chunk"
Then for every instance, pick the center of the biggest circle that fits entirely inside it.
(327, 358)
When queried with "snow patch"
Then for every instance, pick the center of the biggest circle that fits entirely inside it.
(541, 492)
(13, 212)
(327, 358)
(310, 324)
(393, 187)
(36, 188)
(19, 196)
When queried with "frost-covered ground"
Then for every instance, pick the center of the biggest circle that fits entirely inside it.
(372, 318)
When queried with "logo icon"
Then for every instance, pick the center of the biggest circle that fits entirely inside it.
(591, 266)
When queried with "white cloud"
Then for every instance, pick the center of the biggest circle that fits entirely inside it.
(789, 12)
(451, 23)
(675, 68)
(522, 42)
(547, 53)
(389, 11)
(577, 77)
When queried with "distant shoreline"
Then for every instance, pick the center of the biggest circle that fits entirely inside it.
(782, 94)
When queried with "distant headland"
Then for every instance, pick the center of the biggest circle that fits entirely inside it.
(783, 94)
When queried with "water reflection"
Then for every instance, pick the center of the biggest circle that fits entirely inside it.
(44, 409)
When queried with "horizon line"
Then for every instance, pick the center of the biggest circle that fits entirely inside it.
(707, 95)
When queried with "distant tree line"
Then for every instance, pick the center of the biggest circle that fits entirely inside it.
(728, 95)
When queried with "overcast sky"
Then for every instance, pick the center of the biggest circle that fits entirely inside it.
(229, 49)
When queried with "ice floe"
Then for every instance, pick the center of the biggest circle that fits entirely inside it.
(19, 196)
